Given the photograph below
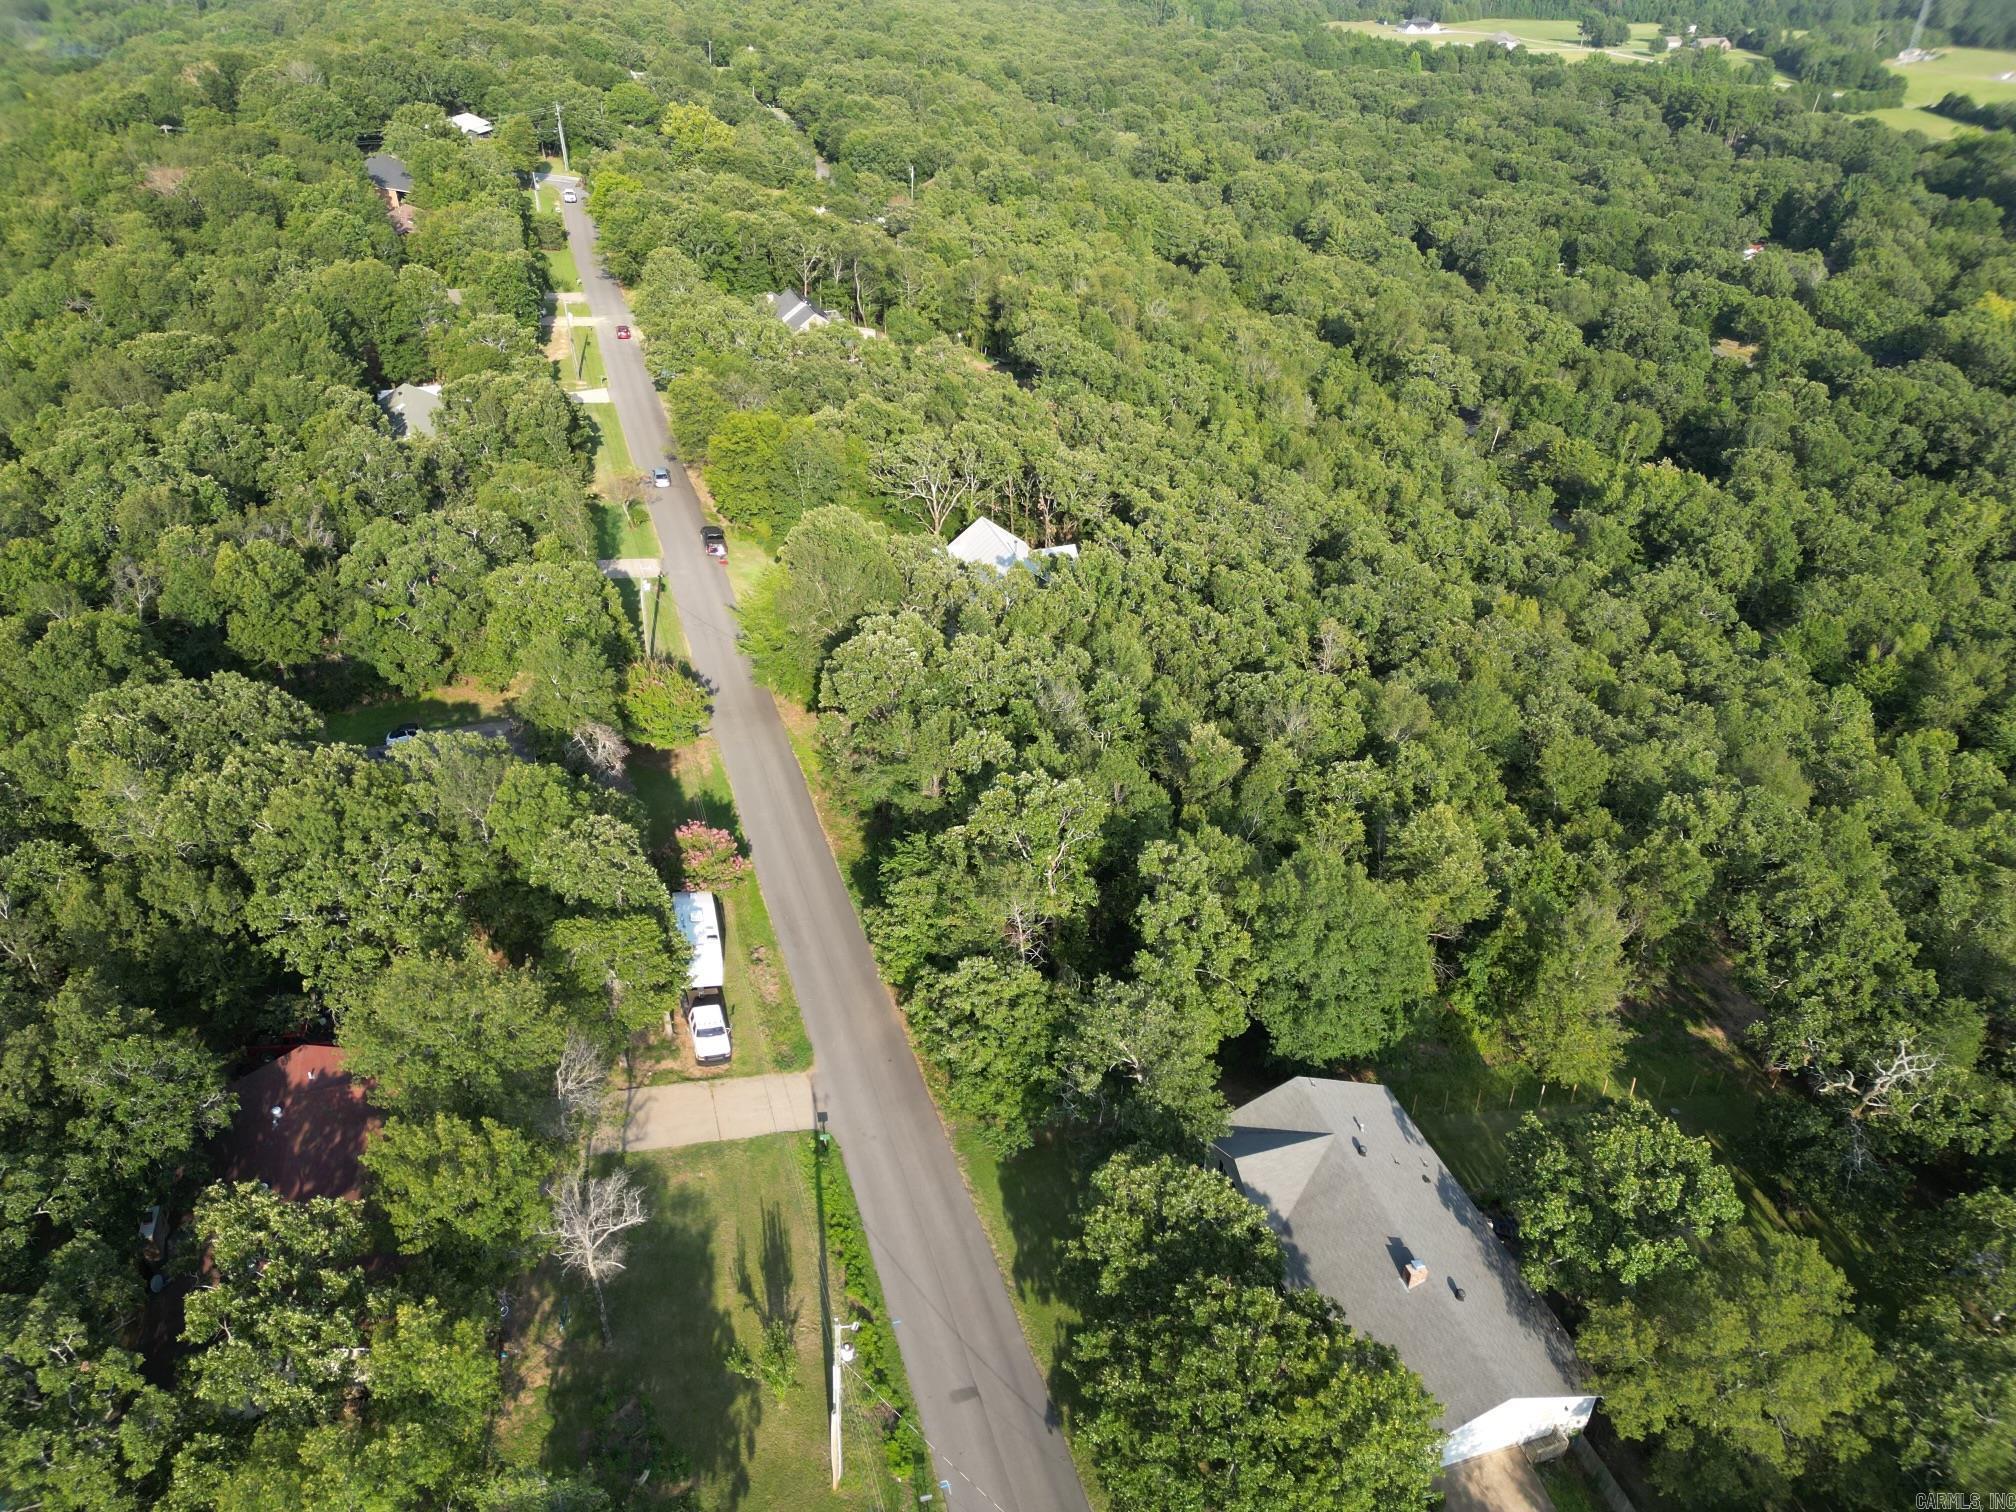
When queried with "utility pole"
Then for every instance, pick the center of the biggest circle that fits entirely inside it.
(843, 1354)
(710, 52)
(560, 127)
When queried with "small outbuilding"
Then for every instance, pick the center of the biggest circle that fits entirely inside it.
(1420, 26)
(471, 124)
(1370, 1217)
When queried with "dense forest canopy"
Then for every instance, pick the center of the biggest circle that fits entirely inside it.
(1544, 531)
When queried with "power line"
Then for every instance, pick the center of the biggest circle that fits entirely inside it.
(900, 1414)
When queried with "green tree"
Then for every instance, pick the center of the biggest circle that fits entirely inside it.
(1609, 1200)
(1345, 964)
(467, 1195)
(452, 1033)
(278, 1328)
(274, 613)
(1748, 1371)
(993, 1027)
(80, 1427)
(664, 703)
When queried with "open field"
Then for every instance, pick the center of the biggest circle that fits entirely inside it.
(733, 1241)
(1560, 37)
(1973, 71)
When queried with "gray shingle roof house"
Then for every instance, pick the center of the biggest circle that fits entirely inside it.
(390, 175)
(799, 314)
(1370, 1217)
(411, 407)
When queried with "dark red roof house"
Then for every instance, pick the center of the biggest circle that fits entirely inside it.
(302, 1124)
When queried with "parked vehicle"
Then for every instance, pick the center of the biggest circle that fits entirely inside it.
(715, 541)
(570, 196)
(622, 333)
(401, 735)
(662, 477)
(699, 919)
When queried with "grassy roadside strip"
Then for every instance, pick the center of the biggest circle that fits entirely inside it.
(878, 1363)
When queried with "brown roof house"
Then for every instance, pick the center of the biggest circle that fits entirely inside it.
(1370, 1217)
(302, 1124)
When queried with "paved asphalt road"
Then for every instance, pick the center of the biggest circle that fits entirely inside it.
(985, 1410)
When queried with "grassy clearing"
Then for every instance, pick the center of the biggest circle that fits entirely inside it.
(675, 786)
(612, 452)
(443, 709)
(1912, 118)
(733, 1240)
(1680, 1058)
(1560, 38)
(1972, 71)
(560, 270)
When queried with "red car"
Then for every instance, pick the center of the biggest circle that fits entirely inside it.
(622, 333)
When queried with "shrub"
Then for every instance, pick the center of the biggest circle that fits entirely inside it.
(664, 703)
(709, 859)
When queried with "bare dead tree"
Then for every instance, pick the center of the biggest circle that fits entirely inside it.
(134, 586)
(580, 1085)
(1893, 1087)
(601, 749)
(591, 1214)
(934, 474)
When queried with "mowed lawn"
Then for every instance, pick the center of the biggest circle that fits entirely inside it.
(733, 1240)
(612, 452)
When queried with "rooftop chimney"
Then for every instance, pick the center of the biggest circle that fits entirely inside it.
(1416, 1274)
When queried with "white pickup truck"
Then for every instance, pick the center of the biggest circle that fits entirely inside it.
(706, 1014)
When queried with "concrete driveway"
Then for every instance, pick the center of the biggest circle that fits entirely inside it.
(707, 1112)
(990, 1421)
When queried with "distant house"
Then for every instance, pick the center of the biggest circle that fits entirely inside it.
(470, 124)
(1420, 26)
(1506, 40)
(1672, 43)
(302, 1124)
(799, 314)
(1752, 251)
(985, 544)
(1370, 1217)
(411, 407)
(1715, 44)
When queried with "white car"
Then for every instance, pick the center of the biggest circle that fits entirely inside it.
(662, 477)
(401, 735)
(707, 1016)
(569, 196)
